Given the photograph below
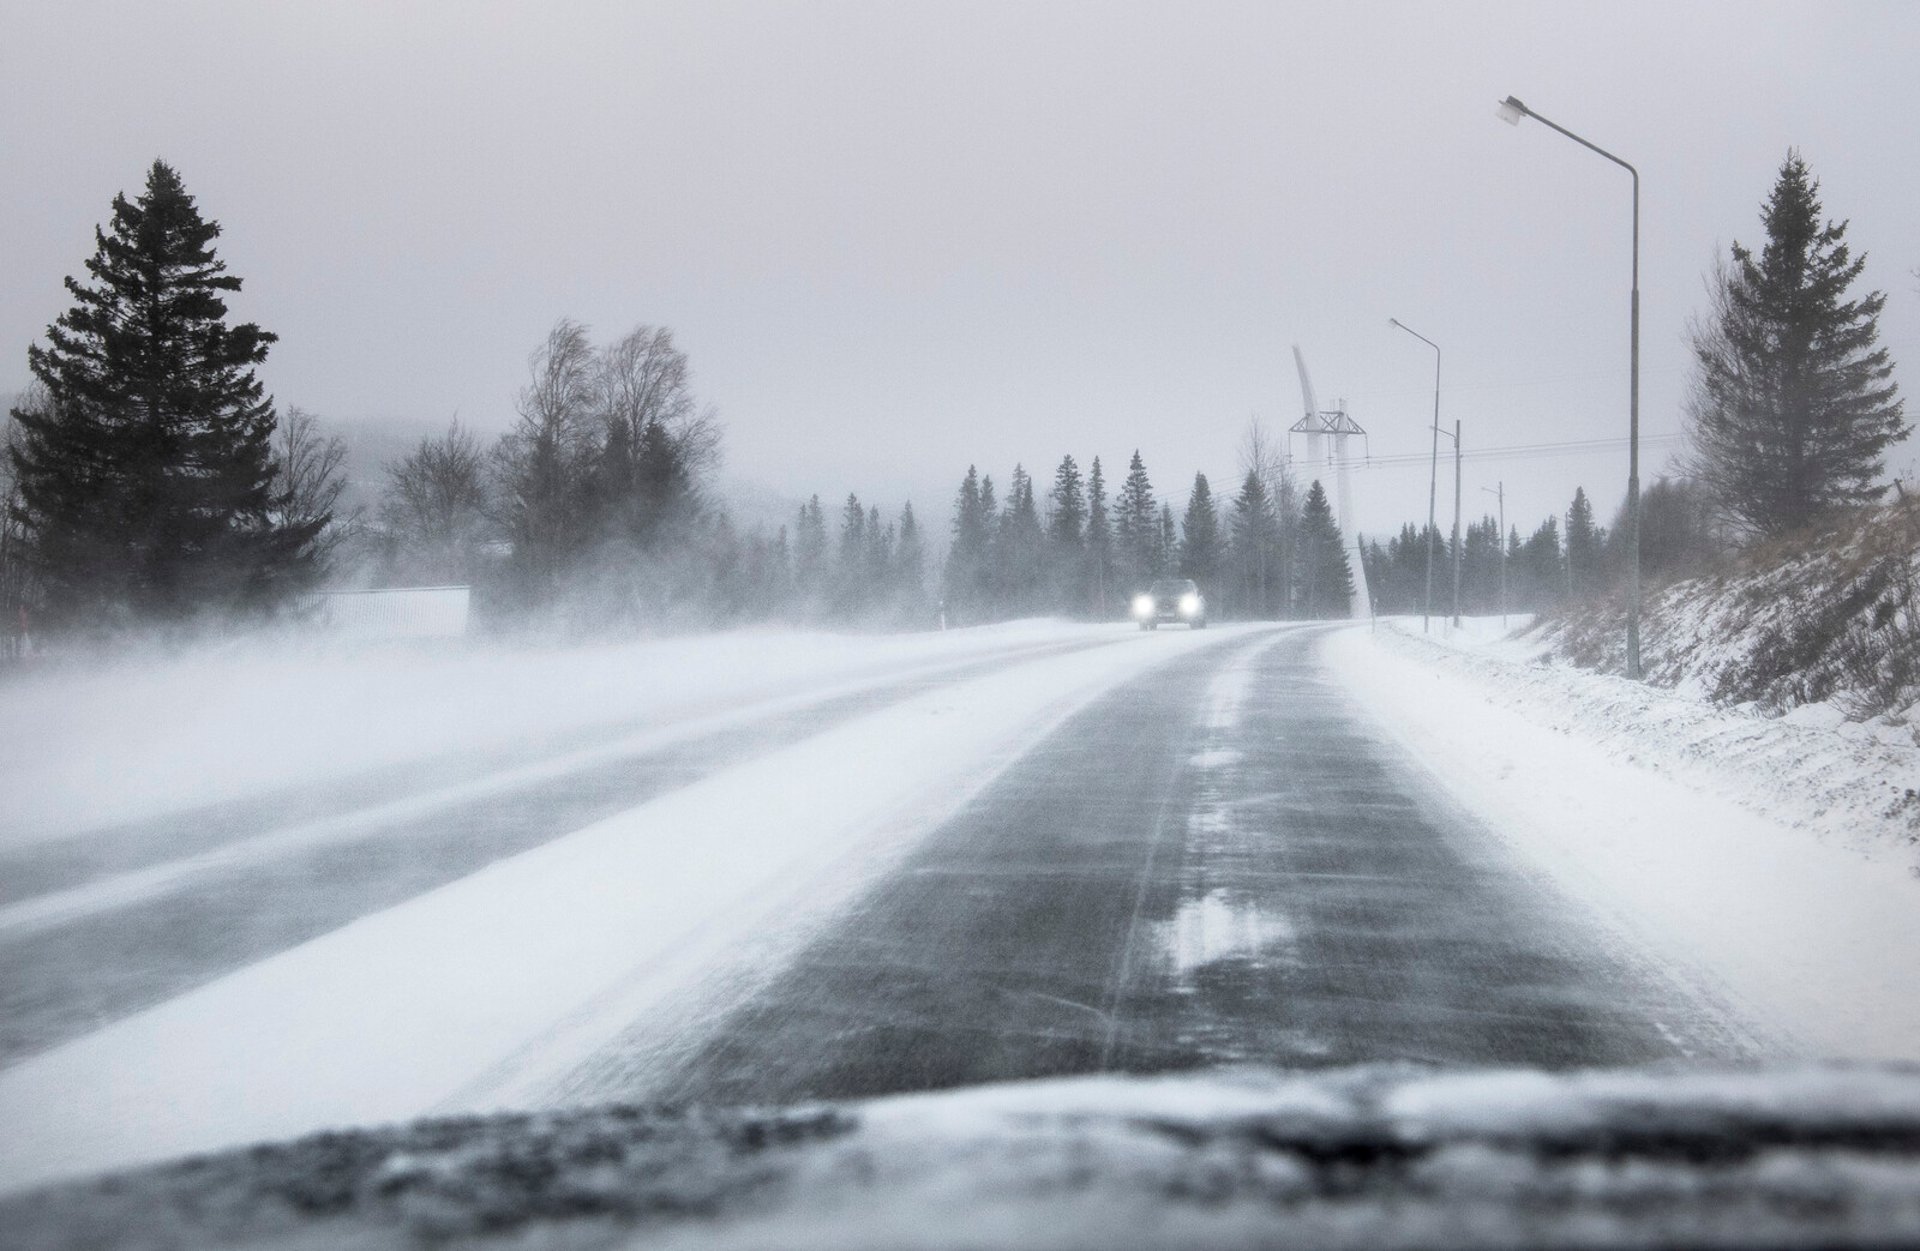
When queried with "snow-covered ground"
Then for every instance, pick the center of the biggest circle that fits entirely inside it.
(482, 988)
(84, 747)
(1823, 625)
(1688, 826)
(1770, 861)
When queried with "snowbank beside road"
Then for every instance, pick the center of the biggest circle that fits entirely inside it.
(1631, 798)
(1851, 784)
(129, 740)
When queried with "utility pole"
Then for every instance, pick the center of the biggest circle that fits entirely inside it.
(1373, 613)
(1455, 436)
(1502, 493)
(1433, 471)
(1566, 547)
(1456, 523)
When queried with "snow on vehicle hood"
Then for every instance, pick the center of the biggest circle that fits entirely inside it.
(1380, 1156)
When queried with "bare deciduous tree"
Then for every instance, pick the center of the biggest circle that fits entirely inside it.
(598, 487)
(542, 467)
(308, 481)
(658, 442)
(645, 379)
(436, 508)
(1263, 454)
(1265, 457)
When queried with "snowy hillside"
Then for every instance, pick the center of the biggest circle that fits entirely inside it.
(1829, 620)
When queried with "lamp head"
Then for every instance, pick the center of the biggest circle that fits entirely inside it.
(1510, 111)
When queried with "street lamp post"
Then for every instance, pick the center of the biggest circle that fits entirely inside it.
(1455, 436)
(1510, 111)
(1433, 471)
(1502, 493)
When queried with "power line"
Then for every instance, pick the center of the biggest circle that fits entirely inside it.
(1512, 451)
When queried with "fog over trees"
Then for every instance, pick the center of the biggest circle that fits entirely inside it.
(1084, 557)
(152, 483)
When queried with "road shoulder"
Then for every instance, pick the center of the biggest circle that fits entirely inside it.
(1810, 937)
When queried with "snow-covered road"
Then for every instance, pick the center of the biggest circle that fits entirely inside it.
(1218, 862)
(830, 868)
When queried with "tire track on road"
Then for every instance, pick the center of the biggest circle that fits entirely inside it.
(1319, 904)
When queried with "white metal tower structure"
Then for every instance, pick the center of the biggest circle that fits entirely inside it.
(1317, 425)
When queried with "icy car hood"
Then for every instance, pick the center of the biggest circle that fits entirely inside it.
(1369, 1157)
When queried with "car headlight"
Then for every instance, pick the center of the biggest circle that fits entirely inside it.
(1143, 605)
(1189, 605)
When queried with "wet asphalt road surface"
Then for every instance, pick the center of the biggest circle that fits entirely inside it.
(1219, 862)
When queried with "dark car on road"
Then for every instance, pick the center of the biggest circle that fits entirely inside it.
(1171, 600)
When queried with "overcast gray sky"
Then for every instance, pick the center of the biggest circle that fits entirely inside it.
(896, 239)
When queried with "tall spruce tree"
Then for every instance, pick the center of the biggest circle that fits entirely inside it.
(147, 480)
(1408, 551)
(1253, 551)
(1584, 545)
(992, 579)
(909, 573)
(1543, 568)
(1793, 405)
(1100, 574)
(773, 581)
(1020, 548)
(851, 586)
(1326, 578)
(1480, 566)
(1068, 521)
(880, 540)
(1200, 550)
(810, 554)
(1067, 538)
(1136, 526)
(966, 570)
